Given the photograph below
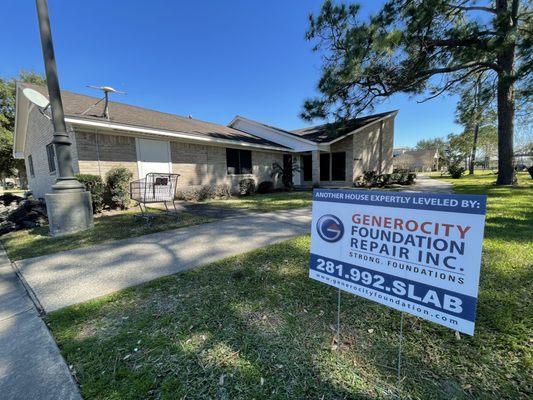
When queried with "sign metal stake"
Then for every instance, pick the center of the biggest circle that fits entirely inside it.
(339, 320)
(399, 384)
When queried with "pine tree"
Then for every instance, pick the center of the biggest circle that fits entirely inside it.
(423, 47)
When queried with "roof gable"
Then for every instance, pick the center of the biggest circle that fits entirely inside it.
(336, 130)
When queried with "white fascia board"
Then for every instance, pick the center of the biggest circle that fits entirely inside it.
(392, 114)
(177, 135)
(272, 129)
(22, 113)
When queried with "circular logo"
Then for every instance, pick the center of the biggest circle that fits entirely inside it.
(330, 228)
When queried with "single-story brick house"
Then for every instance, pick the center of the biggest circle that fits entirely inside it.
(203, 153)
(416, 160)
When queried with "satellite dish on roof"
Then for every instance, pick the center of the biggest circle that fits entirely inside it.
(105, 99)
(36, 98)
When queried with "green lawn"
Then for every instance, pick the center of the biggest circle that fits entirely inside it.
(37, 241)
(256, 327)
(267, 202)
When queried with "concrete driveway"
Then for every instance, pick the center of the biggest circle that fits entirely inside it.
(62, 279)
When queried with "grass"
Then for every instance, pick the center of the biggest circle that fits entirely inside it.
(267, 202)
(37, 241)
(256, 327)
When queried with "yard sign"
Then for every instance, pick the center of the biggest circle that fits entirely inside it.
(415, 252)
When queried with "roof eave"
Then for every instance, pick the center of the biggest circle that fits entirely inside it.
(272, 128)
(22, 111)
(389, 115)
(175, 134)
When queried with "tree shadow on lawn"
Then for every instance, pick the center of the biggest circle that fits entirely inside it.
(255, 326)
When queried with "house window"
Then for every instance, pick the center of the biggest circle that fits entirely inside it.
(338, 166)
(308, 167)
(333, 166)
(324, 166)
(30, 166)
(50, 153)
(238, 161)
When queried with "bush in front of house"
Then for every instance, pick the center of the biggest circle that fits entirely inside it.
(265, 187)
(246, 186)
(530, 170)
(373, 179)
(117, 194)
(205, 192)
(94, 185)
(221, 191)
(455, 171)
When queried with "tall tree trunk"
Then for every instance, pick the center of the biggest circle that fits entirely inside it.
(474, 146)
(506, 24)
(505, 132)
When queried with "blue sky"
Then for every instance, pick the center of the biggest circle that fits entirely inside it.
(211, 59)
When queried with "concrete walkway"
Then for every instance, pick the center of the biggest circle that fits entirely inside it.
(61, 279)
(31, 366)
(426, 184)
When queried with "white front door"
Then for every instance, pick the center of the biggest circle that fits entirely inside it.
(154, 156)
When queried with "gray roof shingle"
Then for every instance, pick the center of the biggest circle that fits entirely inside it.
(75, 104)
(327, 132)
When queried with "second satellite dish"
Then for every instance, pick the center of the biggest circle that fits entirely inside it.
(36, 98)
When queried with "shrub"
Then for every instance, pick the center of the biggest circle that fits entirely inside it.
(221, 191)
(191, 193)
(265, 187)
(455, 171)
(386, 179)
(373, 179)
(246, 186)
(201, 193)
(94, 185)
(286, 172)
(117, 187)
(530, 170)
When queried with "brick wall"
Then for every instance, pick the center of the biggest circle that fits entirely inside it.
(206, 165)
(197, 164)
(40, 133)
(372, 148)
(388, 145)
(98, 153)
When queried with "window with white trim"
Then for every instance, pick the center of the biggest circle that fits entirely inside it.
(238, 161)
(30, 166)
(51, 155)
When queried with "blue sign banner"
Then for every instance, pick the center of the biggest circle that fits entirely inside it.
(415, 252)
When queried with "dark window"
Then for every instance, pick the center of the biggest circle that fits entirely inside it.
(287, 169)
(308, 167)
(338, 166)
(239, 161)
(30, 165)
(324, 167)
(246, 161)
(50, 153)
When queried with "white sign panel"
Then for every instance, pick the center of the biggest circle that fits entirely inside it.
(415, 252)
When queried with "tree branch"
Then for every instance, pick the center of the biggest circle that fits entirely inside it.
(473, 8)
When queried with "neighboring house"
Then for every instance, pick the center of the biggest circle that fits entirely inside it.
(416, 160)
(521, 160)
(203, 153)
